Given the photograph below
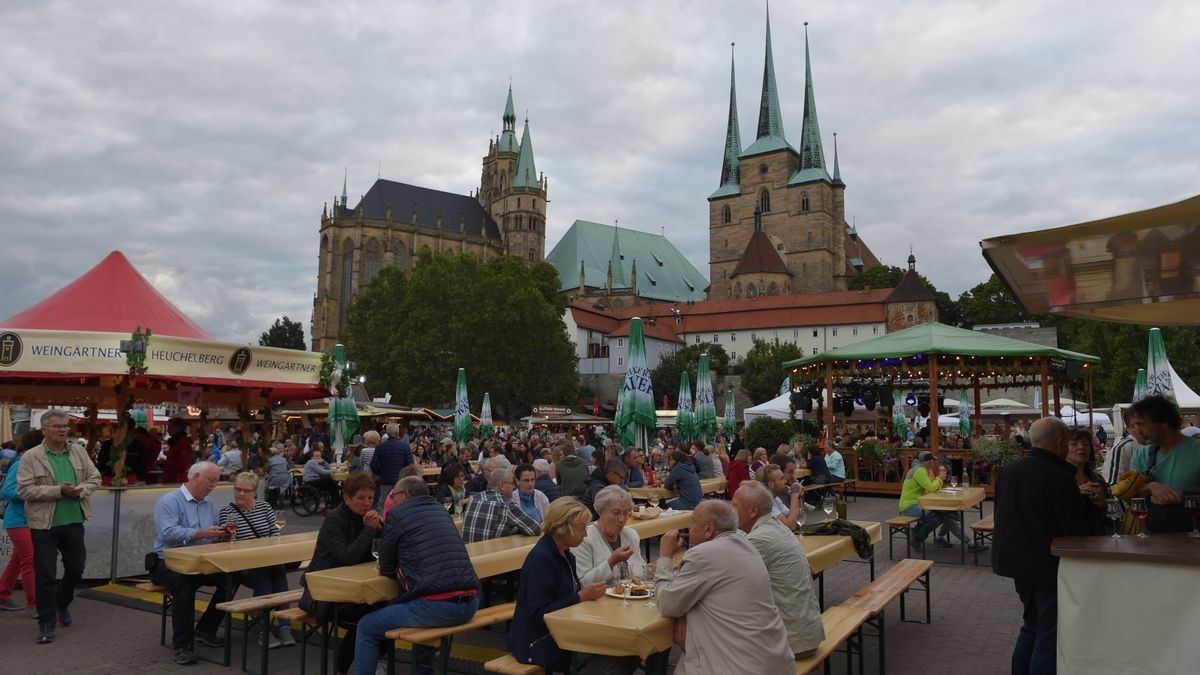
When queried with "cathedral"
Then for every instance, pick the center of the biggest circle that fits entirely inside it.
(395, 222)
(777, 221)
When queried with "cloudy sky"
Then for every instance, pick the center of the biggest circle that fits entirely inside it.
(202, 138)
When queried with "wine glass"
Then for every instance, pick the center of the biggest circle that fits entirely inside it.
(1191, 504)
(448, 504)
(280, 520)
(1115, 512)
(1140, 510)
(801, 517)
(648, 577)
(954, 482)
(653, 499)
(829, 504)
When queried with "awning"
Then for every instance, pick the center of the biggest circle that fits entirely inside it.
(1141, 268)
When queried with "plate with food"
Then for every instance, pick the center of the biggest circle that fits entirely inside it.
(634, 591)
(646, 513)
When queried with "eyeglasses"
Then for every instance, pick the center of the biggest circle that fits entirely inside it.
(245, 491)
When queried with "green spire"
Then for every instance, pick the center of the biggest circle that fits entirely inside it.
(730, 173)
(345, 175)
(508, 139)
(837, 170)
(812, 156)
(770, 118)
(526, 175)
(616, 269)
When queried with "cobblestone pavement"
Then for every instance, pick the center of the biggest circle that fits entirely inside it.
(975, 620)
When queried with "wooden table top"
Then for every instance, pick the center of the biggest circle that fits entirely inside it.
(962, 500)
(1169, 549)
(236, 556)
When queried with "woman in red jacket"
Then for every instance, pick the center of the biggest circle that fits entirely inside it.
(738, 471)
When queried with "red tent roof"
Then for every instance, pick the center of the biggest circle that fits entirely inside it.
(112, 297)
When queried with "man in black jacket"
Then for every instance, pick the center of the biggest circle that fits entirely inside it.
(423, 551)
(1036, 501)
(390, 456)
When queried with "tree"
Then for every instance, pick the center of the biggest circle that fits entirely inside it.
(1122, 350)
(990, 302)
(501, 320)
(284, 333)
(665, 376)
(762, 369)
(769, 433)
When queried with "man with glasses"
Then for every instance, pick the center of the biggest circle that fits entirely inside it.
(532, 501)
(55, 479)
(493, 513)
(614, 474)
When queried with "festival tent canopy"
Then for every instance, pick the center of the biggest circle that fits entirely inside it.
(780, 409)
(1135, 268)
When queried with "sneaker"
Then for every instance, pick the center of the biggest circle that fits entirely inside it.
(944, 542)
(64, 617)
(209, 639)
(9, 606)
(33, 613)
(285, 637)
(45, 634)
(184, 656)
(272, 642)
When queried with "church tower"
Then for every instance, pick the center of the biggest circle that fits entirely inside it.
(512, 191)
(770, 193)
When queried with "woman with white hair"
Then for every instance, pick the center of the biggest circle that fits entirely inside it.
(610, 549)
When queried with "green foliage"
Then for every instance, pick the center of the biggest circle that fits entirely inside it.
(768, 432)
(409, 331)
(989, 302)
(996, 451)
(665, 376)
(284, 333)
(889, 276)
(762, 369)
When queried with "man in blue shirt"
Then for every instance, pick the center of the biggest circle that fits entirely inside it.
(186, 517)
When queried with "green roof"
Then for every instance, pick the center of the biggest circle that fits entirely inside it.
(663, 272)
(526, 175)
(508, 139)
(730, 166)
(727, 190)
(770, 116)
(937, 338)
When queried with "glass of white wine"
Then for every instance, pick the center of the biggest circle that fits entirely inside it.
(829, 504)
(954, 482)
(653, 499)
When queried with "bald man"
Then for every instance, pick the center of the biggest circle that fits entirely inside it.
(722, 594)
(1036, 501)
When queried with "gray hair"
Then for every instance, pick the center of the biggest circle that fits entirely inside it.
(201, 467)
(413, 486)
(277, 447)
(247, 477)
(610, 494)
(541, 466)
(722, 515)
(757, 494)
(54, 413)
(497, 462)
(498, 476)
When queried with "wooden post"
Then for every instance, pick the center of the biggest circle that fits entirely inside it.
(1057, 400)
(1045, 386)
(978, 407)
(934, 400)
(828, 404)
(1089, 381)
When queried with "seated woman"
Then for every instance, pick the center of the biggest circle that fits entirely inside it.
(452, 485)
(760, 460)
(683, 479)
(610, 550)
(248, 518)
(1093, 489)
(549, 582)
(739, 470)
(345, 539)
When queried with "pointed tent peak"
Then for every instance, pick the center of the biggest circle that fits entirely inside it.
(812, 155)
(345, 178)
(112, 297)
(770, 134)
(837, 169)
(526, 175)
(730, 170)
(508, 138)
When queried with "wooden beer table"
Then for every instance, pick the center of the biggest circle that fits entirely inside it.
(956, 499)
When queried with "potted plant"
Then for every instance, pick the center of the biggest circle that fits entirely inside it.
(993, 453)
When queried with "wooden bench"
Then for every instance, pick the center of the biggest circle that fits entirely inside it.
(164, 609)
(849, 484)
(983, 534)
(261, 607)
(900, 525)
(842, 624)
(896, 582)
(507, 665)
(308, 625)
(442, 637)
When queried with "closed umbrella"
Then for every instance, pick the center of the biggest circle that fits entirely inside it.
(343, 414)
(730, 414)
(1158, 368)
(685, 423)
(899, 421)
(635, 402)
(462, 409)
(706, 408)
(964, 415)
(486, 430)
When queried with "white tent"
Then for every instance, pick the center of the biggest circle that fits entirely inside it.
(780, 406)
(1076, 419)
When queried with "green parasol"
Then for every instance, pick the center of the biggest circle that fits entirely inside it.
(1158, 369)
(706, 408)
(899, 421)
(635, 417)
(685, 421)
(730, 425)
(1139, 385)
(486, 430)
(462, 409)
(343, 414)
(964, 414)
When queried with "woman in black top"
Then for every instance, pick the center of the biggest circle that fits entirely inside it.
(345, 539)
(1081, 453)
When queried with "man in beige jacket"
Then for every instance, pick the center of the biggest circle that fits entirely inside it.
(55, 480)
(721, 595)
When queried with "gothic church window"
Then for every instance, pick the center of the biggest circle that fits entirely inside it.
(804, 202)
(398, 256)
(764, 201)
(726, 215)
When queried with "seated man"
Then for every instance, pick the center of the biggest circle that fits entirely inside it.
(614, 474)
(722, 596)
(787, 566)
(787, 500)
(683, 480)
(318, 475)
(544, 482)
(633, 468)
(479, 482)
(917, 483)
(492, 513)
(185, 517)
(531, 500)
(420, 544)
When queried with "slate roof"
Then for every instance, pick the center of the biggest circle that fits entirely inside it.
(760, 256)
(428, 204)
(663, 273)
(911, 289)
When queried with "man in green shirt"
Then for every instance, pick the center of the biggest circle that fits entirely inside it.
(920, 481)
(55, 479)
(1170, 460)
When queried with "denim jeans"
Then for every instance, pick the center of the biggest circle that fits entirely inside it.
(411, 614)
(182, 588)
(54, 594)
(931, 520)
(1035, 651)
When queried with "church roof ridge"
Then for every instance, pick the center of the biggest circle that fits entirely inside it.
(428, 204)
